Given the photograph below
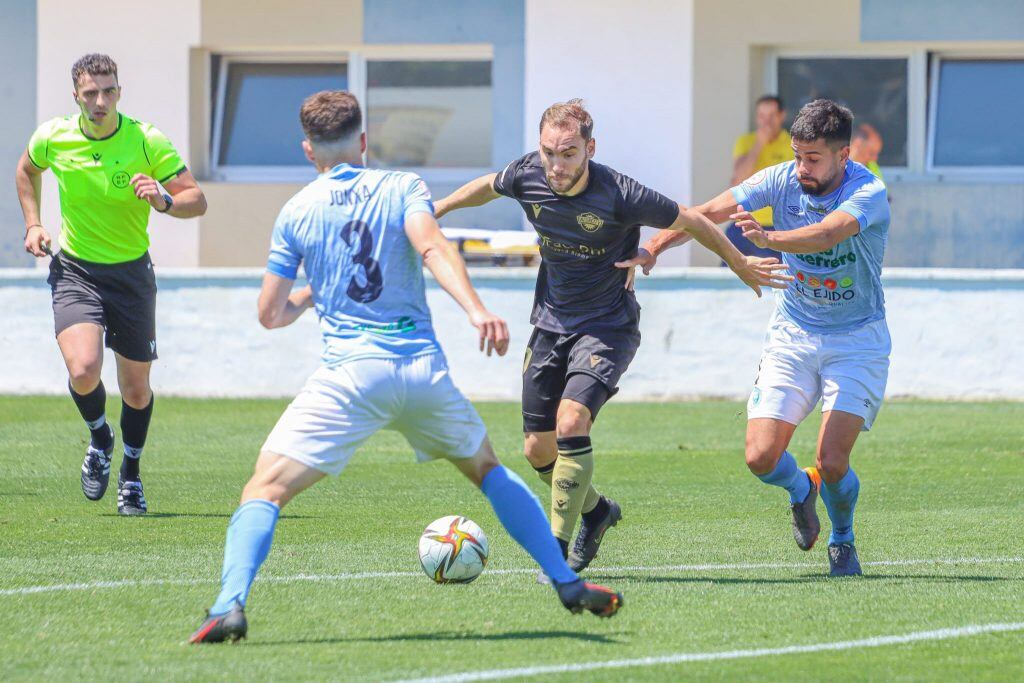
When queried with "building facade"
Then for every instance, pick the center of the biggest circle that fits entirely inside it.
(454, 88)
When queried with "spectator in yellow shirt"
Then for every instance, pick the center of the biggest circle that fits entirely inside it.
(764, 147)
(865, 147)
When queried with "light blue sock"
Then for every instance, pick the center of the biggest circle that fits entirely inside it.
(789, 476)
(249, 536)
(840, 498)
(519, 510)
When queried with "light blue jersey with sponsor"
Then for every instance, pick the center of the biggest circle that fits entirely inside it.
(347, 229)
(839, 289)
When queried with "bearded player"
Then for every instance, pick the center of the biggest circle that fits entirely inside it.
(828, 339)
(586, 324)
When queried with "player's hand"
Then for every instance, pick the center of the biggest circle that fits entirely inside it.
(146, 188)
(493, 331)
(768, 272)
(752, 230)
(37, 241)
(644, 259)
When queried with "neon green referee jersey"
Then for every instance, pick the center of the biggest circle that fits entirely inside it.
(101, 218)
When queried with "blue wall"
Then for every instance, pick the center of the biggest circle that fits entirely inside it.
(498, 22)
(18, 91)
(942, 20)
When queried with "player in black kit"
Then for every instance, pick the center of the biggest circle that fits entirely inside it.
(585, 317)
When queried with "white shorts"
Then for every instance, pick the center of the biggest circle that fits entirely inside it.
(846, 370)
(341, 407)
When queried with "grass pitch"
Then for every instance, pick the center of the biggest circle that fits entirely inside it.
(938, 528)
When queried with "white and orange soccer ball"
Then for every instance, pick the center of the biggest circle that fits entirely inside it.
(453, 549)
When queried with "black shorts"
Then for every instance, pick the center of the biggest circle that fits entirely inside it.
(120, 297)
(584, 367)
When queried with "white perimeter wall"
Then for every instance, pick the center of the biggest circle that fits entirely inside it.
(702, 334)
(633, 64)
(150, 43)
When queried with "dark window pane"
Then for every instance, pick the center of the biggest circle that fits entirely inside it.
(429, 114)
(261, 110)
(875, 89)
(979, 118)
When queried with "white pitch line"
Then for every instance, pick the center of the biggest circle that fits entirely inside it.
(683, 657)
(357, 576)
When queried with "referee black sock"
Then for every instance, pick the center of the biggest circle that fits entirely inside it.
(93, 408)
(134, 428)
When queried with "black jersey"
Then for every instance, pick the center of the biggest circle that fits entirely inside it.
(581, 238)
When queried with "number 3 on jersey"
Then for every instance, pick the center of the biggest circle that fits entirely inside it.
(367, 288)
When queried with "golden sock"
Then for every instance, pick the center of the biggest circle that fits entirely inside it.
(589, 503)
(572, 475)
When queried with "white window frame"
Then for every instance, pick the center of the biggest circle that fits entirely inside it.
(917, 87)
(355, 57)
(998, 173)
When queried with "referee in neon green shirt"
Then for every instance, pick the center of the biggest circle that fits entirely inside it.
(110, 169)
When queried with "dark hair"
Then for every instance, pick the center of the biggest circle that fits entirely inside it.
(95, 65)
(823, 119)
(330, 115)
(567, 115)
(770, 98)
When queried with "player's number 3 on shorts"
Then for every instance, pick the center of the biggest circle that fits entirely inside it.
(367, 288)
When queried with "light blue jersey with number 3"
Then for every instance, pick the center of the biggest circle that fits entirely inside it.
(347, 229)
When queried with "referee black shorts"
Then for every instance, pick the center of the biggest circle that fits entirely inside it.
(120, 297)
(583, 367)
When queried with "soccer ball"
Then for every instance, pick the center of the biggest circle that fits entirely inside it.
(453, 549)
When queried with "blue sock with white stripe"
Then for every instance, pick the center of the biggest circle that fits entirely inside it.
(840, 498)
(789, 476)
(249, 536)
(519, 511)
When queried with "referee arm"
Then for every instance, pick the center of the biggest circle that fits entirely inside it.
(28, 179)
(188, 199)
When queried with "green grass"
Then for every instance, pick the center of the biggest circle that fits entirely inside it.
(940, 481)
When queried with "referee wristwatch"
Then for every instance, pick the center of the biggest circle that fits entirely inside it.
(170, 203)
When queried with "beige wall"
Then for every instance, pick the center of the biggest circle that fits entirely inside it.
(728, 44)
(152, 54)
(236, 229)
(228, 24)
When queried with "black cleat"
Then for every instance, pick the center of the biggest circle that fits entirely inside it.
(806, 525)
(584, 550)
(96, 469)
(842, 560)
(580, 595)
(130, 500)
(230, 627)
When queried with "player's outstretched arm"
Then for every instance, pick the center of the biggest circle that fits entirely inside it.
(278, 305)
(28, 179)
(755, 273)
(810, 239)
(448, 268)
(474, 193)
(717, 210)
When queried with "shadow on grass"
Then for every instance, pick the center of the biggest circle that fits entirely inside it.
(222, 515)
(804, 578)
(448, 636)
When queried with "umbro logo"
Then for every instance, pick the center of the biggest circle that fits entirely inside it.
(795, 210)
